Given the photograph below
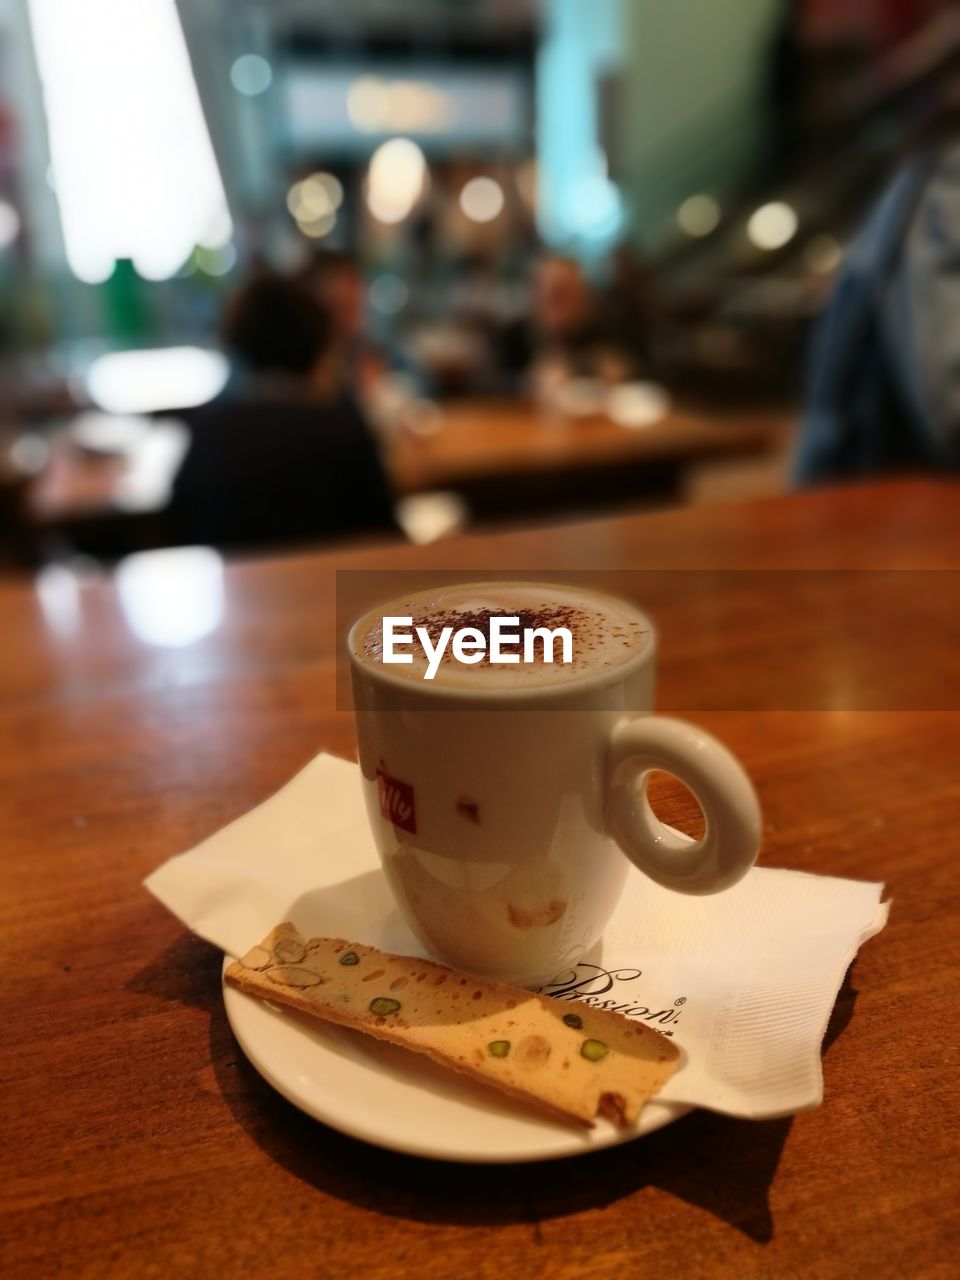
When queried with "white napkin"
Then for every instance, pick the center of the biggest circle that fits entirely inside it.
(744, 981)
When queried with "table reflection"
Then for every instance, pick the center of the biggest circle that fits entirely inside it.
(172, 598)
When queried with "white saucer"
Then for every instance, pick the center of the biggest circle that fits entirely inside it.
(403, 1101)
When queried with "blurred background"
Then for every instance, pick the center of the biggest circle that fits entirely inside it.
(277, 273)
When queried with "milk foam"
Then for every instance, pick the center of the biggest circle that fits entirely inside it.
(606, 633)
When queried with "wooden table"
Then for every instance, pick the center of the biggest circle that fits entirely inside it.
(139, 1142)
(503, 456)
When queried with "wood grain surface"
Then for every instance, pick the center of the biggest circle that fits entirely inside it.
(483, 439)
(139, 1142)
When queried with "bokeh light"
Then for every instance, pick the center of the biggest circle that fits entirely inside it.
(698, 215)
(217, 262)
(251, 75)
(135, 174)
(315, 196)
(482, 199)
(396, 180)
(152, 380)
(318, 227)
(219, 230)
(389, 294)
(375, 105)
(313, 203)
(772, 225)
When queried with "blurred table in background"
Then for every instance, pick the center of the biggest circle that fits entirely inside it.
(106, 482)
(104, 464)
(505, 459)
(142, 711)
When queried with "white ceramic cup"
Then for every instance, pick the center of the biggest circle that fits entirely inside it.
(502, 820)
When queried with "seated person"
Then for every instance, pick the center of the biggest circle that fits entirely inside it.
(278, 456)
(884, 390)
(336, 282)
(630, 306)
(566, 336)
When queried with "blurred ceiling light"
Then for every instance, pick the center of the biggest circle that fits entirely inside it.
(389, 294)
(219, 230)
(315, 197)
(9, 224)
(317, 228)
(772, 225)
(325, 184)
(427, 108)
(482, 199)
(823, 255)
(251, 75)
(698, 215)
(368, 104)
(217, 262)
(171, 598)
(413, 106)
(150, 381)
(395, 180)
(134, 170)
(397, 106)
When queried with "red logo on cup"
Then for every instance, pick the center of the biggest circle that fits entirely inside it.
(396, 802)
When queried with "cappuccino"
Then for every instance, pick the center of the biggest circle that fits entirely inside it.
(498, 823)
(501, 636)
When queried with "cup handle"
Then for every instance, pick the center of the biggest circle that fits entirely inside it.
(731, 840)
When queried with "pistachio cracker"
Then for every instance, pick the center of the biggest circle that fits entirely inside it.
(574, 1066)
